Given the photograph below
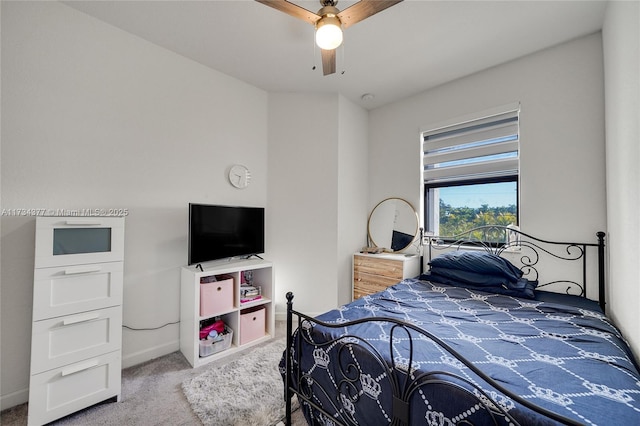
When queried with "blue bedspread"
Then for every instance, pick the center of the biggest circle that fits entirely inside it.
(570, 360)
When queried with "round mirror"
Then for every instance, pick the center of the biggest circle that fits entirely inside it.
(393, 224)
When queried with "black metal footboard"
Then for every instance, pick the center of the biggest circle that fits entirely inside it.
(404, 383)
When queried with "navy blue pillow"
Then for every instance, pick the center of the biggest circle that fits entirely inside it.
(480, 262)
(521, 288)
(468, 277)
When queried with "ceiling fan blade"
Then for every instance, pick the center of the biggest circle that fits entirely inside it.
(328, 61)
(292, 9)
(362, 10)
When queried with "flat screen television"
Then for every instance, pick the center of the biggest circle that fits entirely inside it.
(219, 232)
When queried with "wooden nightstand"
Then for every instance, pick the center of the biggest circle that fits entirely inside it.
(375, 272)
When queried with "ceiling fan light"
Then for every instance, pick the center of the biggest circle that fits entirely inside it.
(328, 33)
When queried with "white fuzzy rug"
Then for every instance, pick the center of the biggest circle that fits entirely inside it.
(243, 392)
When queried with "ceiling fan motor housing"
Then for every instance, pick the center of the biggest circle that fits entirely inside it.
(329, 13)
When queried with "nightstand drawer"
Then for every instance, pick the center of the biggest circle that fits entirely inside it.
(369, 283)
(67, 389)
(72, 338)
(379, 266)
(69, 289)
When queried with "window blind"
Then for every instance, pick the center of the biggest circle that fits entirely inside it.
(473, 149)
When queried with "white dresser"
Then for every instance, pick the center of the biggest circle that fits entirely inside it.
(76, 334)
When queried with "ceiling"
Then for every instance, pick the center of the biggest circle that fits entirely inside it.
(408, 48)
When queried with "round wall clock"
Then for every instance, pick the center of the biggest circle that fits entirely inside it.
(239, 176)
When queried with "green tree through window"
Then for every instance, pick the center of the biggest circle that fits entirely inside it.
(456, 220)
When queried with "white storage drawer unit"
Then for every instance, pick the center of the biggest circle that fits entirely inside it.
(76, 337)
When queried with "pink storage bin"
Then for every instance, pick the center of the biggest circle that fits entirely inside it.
(252, 325)
(216, 297)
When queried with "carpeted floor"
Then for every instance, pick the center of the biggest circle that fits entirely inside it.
(151, 395)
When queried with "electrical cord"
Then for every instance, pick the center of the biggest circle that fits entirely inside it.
(149, 328)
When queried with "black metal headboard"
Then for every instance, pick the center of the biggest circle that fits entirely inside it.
(510, 242)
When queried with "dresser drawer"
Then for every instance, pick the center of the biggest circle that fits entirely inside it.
(64, 340)
(68, 289)
(62, 391)
(62, 241)
(391, 268)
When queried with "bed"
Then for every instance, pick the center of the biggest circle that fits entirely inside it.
(486, 336)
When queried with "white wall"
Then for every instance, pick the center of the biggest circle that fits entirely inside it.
(317, 196)
(562, 189)
(95, 117)
(621, 39)
(353, 192)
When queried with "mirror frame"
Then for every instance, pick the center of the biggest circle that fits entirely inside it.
(370, 238)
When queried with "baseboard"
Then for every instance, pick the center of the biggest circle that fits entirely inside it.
(149, 354)
(14, 398)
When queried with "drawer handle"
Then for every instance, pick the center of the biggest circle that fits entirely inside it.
(79, 368)
(219, 288)
(80, 222)
(75, 320)
(82, 270)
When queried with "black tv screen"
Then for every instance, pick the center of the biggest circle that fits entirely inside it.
(218, 232)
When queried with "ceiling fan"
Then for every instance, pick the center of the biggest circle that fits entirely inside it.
(329, 21)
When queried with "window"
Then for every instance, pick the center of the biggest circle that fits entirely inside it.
(471, 171)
